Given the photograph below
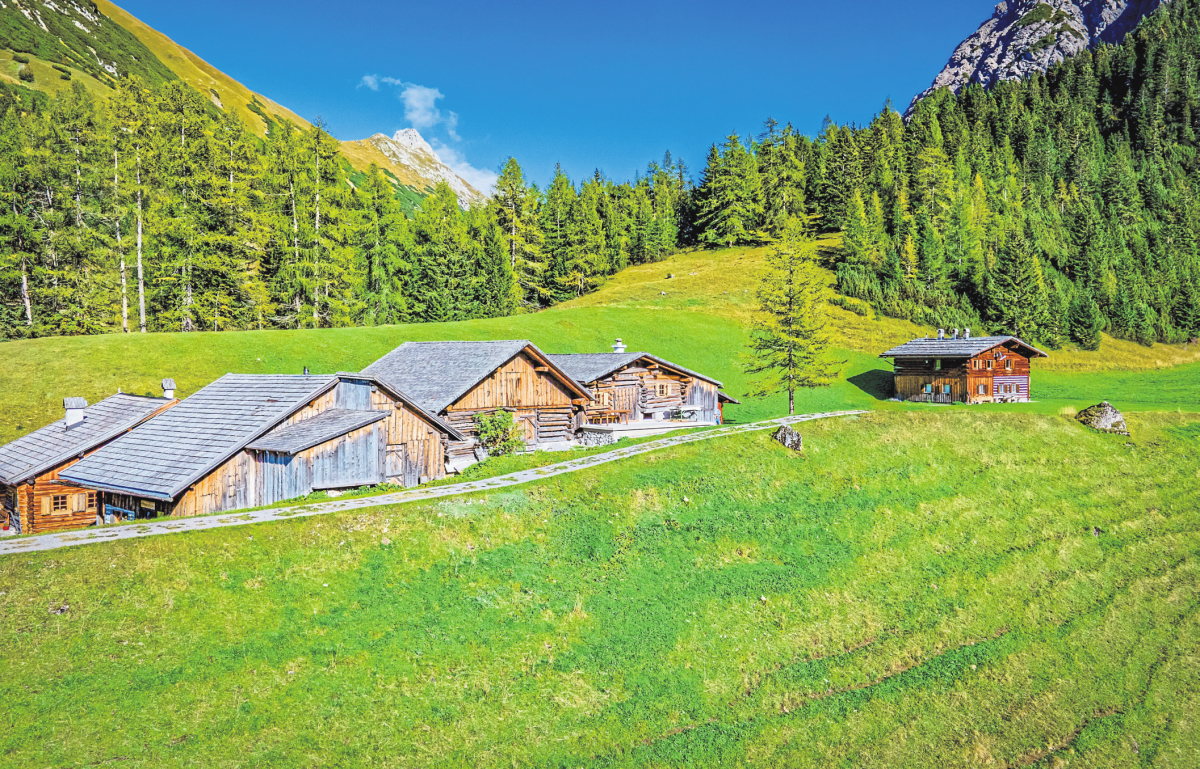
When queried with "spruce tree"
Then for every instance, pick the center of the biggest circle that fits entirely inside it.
(1086, 321)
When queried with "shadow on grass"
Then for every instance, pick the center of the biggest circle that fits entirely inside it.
(877, 383)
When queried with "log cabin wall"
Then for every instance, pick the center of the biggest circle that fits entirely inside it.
(703, 395)
(411, 442)
(50, 504)
(543, 408)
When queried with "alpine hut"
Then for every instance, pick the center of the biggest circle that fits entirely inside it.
(966, 369)
(459, 381)
(251, 440)
(36, 498)
(634, 387)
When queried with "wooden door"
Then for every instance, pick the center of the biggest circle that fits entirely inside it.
(527, 421)
(394, 461)
(415, 450)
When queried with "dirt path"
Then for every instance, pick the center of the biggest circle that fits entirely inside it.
(174, 525)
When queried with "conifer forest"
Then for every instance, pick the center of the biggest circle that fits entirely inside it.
(1052, 208)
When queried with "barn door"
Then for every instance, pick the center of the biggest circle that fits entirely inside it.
(394, 461)
(415, 450)
(527, 421)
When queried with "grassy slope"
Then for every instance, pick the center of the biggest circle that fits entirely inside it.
(699, 323)
(920, 589)
(200, 74)
(46, 78)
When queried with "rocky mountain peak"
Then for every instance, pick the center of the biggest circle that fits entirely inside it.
(418, 164)
(1027, 36)
(411, 138)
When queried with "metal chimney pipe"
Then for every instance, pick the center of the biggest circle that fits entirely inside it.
(75, 408)
(619, 346)
(168, 386)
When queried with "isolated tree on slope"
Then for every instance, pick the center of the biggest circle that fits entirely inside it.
(789, 339)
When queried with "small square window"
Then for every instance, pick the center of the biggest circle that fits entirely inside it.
(91, 500)
(58, 503)
(989, 365)
(1008, 364)
(982, 390)
(929, 388)
(945, 389)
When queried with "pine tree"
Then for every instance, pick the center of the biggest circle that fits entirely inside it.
(1086, 321)
(516, 208)
(789, 339)
(1019, 298)
(730, 208)
(385, 241)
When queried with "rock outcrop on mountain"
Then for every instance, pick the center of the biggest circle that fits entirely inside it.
(410, 158)
(1027, 36)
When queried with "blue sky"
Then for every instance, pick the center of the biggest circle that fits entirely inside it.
(607, 85)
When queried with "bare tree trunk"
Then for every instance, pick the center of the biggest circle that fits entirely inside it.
(141, 278)
(25, 294)
(121, 251)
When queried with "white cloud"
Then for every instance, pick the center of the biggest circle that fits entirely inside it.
(420, 106)
(480, 178)
(452, 125)
(370, 81)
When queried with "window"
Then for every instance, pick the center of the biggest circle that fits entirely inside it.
(945, 389)
(91, 500)
(663, 390)
(929, 388)
(983, 389)
(989, 365)
(58, 504)
(976, 364)
(1008, 363)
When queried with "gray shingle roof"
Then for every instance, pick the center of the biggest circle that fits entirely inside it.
(169, 453)
(54, 444)
(955, 348)
(435, 374)
(74, 403)
(590, 366)
(313, 432)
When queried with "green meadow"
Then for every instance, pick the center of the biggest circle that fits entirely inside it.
(923, 586)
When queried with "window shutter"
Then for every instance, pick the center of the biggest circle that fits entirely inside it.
(80, 503)
(46, 505)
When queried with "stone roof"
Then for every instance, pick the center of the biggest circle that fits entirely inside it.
(436, 374)
(326, 426)
(171, 452)
(45, 449)
(589, 367)
(965, 347)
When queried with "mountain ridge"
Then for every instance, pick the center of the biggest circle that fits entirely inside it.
(1027, 36)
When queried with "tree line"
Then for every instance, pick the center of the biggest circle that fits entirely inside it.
(155, 211)
(1052, 208)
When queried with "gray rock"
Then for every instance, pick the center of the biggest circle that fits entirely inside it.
(1019, 39)
(1105, 418)
(789, 438)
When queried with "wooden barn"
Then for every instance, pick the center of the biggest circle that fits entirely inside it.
(461, 380)
(36, 498)
(632, 387)
(966, 369)
(251, 440)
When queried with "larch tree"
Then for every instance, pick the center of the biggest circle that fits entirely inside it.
(789, 337)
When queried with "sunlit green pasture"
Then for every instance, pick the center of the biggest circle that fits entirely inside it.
(941, 587)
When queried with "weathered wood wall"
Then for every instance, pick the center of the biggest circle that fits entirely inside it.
(35, 504)
(625, 396)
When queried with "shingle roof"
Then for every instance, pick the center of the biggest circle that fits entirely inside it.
(435, 374)
(955, 348)
(54, 444)
(169, 453)
(326, 426)
(590, 366)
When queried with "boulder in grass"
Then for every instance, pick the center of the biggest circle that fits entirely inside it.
(789, 438)
(1105, 418)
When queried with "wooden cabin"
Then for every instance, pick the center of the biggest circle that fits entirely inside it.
(967, 369)
(631, 387)
(252, 440)
(36, 498)
(459, 381)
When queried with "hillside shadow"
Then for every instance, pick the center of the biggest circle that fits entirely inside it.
(877, 383)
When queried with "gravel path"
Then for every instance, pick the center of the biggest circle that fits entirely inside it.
(173, 525)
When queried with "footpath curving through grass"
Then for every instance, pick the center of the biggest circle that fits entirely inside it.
(946, 587)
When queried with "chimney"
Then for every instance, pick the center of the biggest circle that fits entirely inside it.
(306, 371)
(168, 386)
(941, 333)
(956, 333)
(619, 346)
(74, 407)
(967, 335)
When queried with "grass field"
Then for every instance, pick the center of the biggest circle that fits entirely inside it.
(919, 589)
(699, 323)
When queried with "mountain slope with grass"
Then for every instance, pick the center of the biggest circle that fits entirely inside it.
(918, 589)
(693, 308)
